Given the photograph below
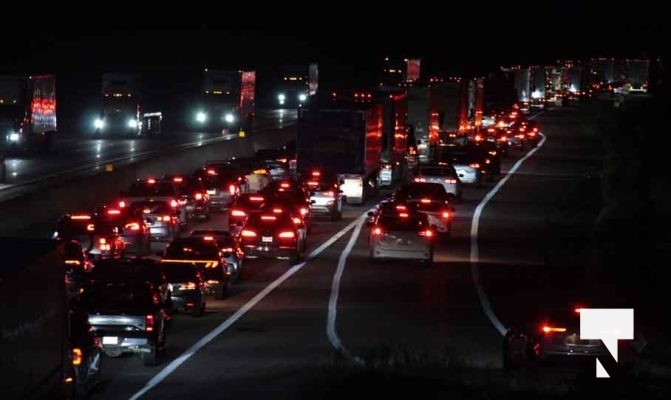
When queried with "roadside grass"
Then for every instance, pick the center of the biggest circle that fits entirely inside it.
(399, 373)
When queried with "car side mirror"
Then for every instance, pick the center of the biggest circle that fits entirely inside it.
(312, 193)
(340, 191)
(149, 220)
(313, 201)
(342, 181)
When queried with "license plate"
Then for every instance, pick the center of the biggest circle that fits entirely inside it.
(267, 239)
(110, 340)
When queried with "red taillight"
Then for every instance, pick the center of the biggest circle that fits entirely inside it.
(401, 207)
(312, 183)
(420, 180)
(90, 227)
(133, 226)
(174, 203)
(445, 214)
(287, 235)
(277, 210)
(208, 238)
(329, 194)
(149, 323)
(377, 231)
(268, 218)
(151, 181)
(77, 356)
(426, 233)
(122, 204)
(452, 181)
(316, 173)
(403, 215)
(256, 198)
(247, 233)
(238, 213)
(199, 196)
(474, 165)
(227, 250)
(146, 211)
(304, 211)
(297, 220)
(552, 329)
(80, 217)
(113, 212)
(177, 179)
(211, 172)
(426, 201)
(166, 218)
(285, 185)
(231, 189)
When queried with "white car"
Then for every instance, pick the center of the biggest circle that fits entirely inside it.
(400, 234)
(445, 175)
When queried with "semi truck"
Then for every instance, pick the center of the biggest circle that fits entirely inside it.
(120, 109)
(28, 113)
(226, 101)
(395, 144)
(42, 350)
(344, 137)
(293, 86)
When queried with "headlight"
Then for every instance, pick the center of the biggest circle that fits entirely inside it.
(281, 97)
(132, 123)
(14, 137)
(201, 117)
(229, 118)
(302, 97)
(98, 123)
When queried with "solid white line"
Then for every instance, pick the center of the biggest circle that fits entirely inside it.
(176, 363)
(335, 289)
(475, 256)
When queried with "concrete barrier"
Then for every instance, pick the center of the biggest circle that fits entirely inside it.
(30, 213)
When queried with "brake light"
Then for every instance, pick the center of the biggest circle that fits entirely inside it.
(478, 138)
(90, 227)
(284, 185)
(316, 173)
(277, 210)
(81, 217)
(532, 134)
(297, 220)
(211, 172)
(329, 194)
(552, 329)
(199, 196)
(174, 204)
(77, 356)
(503, 138)
(268, 218)
(453, 181)
(474, 165)
(426, 201)
(177, 179)
(104, 246)
(256, 198)
(401, 207)
(420, 180)
(208, 238)
(426, 233)
(247, 233)
(113, 212)
(238, 213)
(313, 183)
(445, 214)
(134, 226)
(231, 189)
(304, 211)
(151, 181)
(102, 241)
(146, 211)
(149, 323)
(377, 231)
(122, 204)
(403, 215)
(189, 286)
(287, 235)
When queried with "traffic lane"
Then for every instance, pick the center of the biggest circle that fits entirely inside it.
(535, 234)
(77, 152)
(125, 375)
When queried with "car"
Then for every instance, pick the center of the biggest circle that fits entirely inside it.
(133, 229)
(244, 205)
(208, 258)
(187, 287)
(431, 199)
(229, 246)
(163, 221)
(98, 237)
(446, 175)
(194, 197)
(87, 353)
(271, 235)
(400, 231)
(325, 194)
(223, 182)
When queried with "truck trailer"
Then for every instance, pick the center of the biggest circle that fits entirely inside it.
(120, 108)
(28, 113)
(344, 137)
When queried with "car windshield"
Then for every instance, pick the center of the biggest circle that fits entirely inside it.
(118, 295)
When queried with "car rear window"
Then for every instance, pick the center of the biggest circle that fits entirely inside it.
(437, 172)
(179, 272)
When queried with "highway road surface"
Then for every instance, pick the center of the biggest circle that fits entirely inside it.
(76, 155)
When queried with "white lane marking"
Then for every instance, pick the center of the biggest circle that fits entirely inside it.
(475, 255)
(170, 368)
(335, 290)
